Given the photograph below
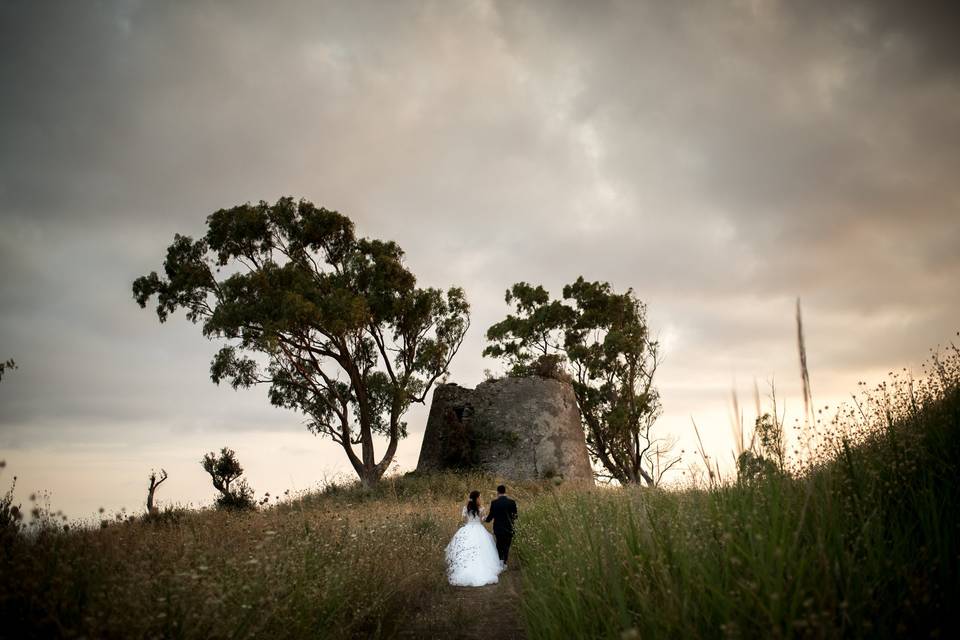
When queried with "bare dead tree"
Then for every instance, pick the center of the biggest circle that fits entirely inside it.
(8, 365)
(152, 488)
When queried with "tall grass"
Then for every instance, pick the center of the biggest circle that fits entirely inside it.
(345, 563)
(860, 542)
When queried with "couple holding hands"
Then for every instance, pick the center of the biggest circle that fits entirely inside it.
(474, 557)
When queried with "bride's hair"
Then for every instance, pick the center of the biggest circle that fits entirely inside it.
(473, 505)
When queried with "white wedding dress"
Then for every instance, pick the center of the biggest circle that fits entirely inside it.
(472, 559)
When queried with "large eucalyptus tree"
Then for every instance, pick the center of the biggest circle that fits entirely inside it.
(333, 323)
(599, 338)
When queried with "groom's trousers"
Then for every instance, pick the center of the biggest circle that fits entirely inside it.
(503, 545)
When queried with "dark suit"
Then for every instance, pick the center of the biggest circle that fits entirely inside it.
(503, 512)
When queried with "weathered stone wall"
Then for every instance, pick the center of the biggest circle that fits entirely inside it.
(519, 428)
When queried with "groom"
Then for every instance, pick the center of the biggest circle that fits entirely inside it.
(503, 511)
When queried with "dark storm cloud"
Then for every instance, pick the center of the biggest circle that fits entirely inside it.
(778, 150)
(923, 31)
(720, 158)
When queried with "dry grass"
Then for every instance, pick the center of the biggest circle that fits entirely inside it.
(345, 563)
(861, 538)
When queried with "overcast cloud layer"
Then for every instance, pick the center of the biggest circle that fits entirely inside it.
(722, 159)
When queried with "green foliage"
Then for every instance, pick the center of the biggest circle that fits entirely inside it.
(225, 472)
(343, 333)
(600, 340)
(752, 466)
(536, 330)
(769, 438)
(11, 515)
(413, 487)
(767, 454)
(550, 366)
(862, 542)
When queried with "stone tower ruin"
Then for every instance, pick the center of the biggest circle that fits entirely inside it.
(518, 428)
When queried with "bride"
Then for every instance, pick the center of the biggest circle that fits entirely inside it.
(472, 559)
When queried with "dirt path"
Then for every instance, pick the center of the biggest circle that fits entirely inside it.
(473, 613)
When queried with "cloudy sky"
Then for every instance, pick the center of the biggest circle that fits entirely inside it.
(721, 158)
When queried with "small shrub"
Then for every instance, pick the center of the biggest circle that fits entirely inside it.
(11, 515)
(549, 366)
(169, 515)
(225, 472)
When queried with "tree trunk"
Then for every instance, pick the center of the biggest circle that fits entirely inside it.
(391, 451)
(370, 476)
(152, 489)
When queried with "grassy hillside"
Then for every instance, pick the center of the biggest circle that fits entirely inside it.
(860, 541)
(345, 563)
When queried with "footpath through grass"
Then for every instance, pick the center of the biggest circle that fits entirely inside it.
(860, 542)
(345, 563)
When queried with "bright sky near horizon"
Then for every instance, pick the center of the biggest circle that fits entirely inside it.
(721, 158)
